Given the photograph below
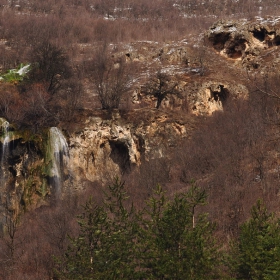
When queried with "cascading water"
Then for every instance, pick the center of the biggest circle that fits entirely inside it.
(58, 158)
(6, 137)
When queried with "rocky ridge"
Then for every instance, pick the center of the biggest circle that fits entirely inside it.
(244, 40)
(100, 147)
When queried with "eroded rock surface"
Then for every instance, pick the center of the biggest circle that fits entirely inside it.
(244, 40)
(106, 148)
(212, 96)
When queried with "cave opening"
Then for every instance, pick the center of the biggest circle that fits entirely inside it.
(236, 49)
(10, 154)
(221, 95)
(235, 54)
(224, 94)
(276, 41)
(219, 41)
(120, 155)
(259, 34)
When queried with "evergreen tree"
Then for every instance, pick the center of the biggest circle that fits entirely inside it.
(104, 248)
(159, 242)
(174, 247)
(256, 253)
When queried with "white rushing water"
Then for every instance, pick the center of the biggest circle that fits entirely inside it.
(5, 139)
(59, 157)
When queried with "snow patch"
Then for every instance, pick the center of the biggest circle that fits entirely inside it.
(270, 20)
(23, 70)
(216, 29)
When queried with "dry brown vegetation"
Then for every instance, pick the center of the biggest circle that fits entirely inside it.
(233, 155)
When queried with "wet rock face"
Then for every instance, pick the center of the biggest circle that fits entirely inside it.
(21, 174)
(244, 40)
(99, 150)
(28, 165)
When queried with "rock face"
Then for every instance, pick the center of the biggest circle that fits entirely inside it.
(102, 147)
(106, 148)
(212, 96)
(21, 170)
(152, 52)
(34, 168)
(244, 40)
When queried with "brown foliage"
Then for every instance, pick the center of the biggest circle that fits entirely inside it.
(230, 154)
(49, 66)
(161, 86)
(35, 107)
(10, 102)
(41, 234)
(112, 79)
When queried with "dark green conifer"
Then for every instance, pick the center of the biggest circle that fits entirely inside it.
(256, 253)
(159, 242)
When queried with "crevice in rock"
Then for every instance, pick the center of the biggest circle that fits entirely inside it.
(90, 158)
(141, 145)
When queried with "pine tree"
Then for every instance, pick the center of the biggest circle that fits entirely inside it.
(160, 242)
(256, 253)
(175, 248)
(104, 248)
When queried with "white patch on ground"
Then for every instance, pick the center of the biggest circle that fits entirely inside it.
(23, 70)
(270, 20)
(217, 29)
(232, 29)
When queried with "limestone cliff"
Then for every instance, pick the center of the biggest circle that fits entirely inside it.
(100, 149)
(23, 178)
(104, 148)
(245, 40)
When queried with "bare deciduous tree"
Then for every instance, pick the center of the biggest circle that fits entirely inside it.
(111, 79)
(160, 86)
(50, 66)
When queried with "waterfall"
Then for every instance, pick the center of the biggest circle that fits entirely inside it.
(58, 158)
(5, 139)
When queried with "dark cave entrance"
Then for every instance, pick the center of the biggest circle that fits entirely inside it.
(260, 34)
(236, 48)
(10, 156)
(276, 41)
(221, 95)
(120, 155)
(219, 40)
